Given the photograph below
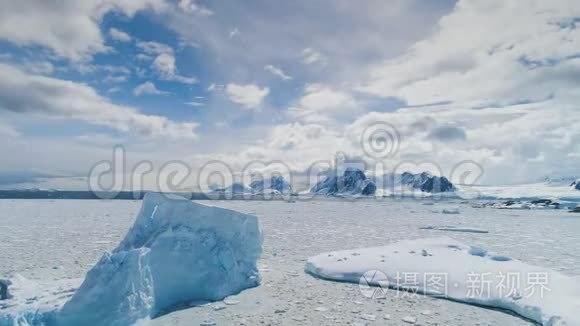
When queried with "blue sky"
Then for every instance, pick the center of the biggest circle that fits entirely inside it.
(293, 81)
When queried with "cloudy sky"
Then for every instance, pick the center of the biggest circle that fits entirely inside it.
(495, 82)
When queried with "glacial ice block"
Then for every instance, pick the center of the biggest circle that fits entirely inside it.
(178, 253)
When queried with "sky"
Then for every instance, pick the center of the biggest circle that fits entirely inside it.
(191, 82)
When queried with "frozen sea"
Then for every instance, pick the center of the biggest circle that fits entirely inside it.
(56, 239)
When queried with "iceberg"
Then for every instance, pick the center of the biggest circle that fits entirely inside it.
(177, 254)
(445, 268)
(351, 182)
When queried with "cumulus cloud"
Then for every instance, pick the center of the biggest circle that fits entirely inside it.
(164, 61)
(38, 67)
(147, 88)
(22, 93)
(473, 60)
(277, 72)
(119, 35)
(154, 48)
(249, 96)
(164, 65)
(77, 37)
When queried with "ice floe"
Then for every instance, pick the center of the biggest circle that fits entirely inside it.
(444, 267)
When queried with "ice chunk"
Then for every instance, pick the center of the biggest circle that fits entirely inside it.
(4, 293)
(466, 274)
(451, 228)
(177, 253)
(35, 302)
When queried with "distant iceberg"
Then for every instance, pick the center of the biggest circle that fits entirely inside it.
(351, 182)
(177, 254)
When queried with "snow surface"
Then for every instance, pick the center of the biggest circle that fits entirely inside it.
(177, 254)
(525, 192)
(47, 240)
(461, 265)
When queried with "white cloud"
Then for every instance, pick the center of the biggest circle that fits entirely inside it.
(249, 96)
(143, 57)
(148, 88)
(194, 103)
(114, 89)
(7, 131)
(189, 6)
(154, 48)
(234, 32)
(474, 60)
(164, 65)
(119, 35)
(215, 87)
(277, 72)
(21, 93)
(115, 79)
(40, 67)
(321, 103)
(311, 56)
(76, 37)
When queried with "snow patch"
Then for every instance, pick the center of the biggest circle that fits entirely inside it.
(556, 302)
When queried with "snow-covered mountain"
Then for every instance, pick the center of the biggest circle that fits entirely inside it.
(274, 184)
(427, 182)
(573, 182)
(351, 182)
(424, 182)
